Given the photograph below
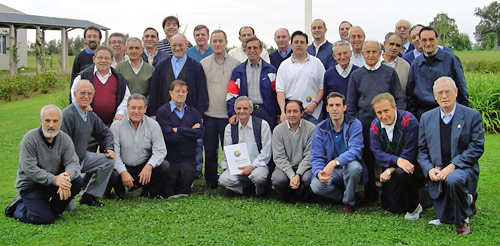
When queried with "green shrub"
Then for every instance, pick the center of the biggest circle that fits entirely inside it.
(484, 96)
(482, 66)
(25, 85)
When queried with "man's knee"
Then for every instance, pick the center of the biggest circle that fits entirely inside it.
(227, 179)
(456, 179)
(279, 179)
(353, 169)
(317, 187)
(259, 175)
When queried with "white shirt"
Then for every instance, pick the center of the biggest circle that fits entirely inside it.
(245, 135)
(317, 47)
(122, 108)
(373, 68)
(136, 69)
(390, 129)
(344, 72)
(357, 60)
(114, 63)
(447, 117)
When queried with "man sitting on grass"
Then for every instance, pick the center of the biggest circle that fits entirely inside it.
(48, 176)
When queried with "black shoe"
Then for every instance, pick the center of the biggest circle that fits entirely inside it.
(9, 210)
(90, 200)
(212, 185)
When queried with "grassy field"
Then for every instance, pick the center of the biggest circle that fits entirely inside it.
(211, 217)
(474, 55)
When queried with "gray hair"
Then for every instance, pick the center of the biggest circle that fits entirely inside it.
(117, 34)
(350, 30)
(368, 41)
(136, 96)
(340, 43)
(390, 34)
(243, 98)
(48, 107)
(77, 85)
(444, 79)
(134, 39)
(182, 35)
(403, 20)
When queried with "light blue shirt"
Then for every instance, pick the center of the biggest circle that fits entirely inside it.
(286, 53)
(174, 109)
(82, 114)
(178, 64)
(447, 118)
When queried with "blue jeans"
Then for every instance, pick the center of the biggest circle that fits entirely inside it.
(41, 204)
(342, 185)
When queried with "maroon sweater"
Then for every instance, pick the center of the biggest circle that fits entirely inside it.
(104, 103)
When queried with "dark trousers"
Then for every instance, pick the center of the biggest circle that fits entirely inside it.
(152, 189)
(400, 193)
(41, 204)
(371, 193)
(214, 132)
(178, 179)
(260, 111)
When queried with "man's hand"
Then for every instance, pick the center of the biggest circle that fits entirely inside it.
(63, 180)
(145, 175)
(153, 117)
(233, 120)
(127, 180)
(433, 174)
(384, 177)
(405, 165)
(446, 171)
(323, 177)
(64, 194)
(118, 117)
(174, 129)
(196, 126)
(246, 170)
(311, 107)
(295, 182)
(282, 117)
(89, 108)
(110, 154)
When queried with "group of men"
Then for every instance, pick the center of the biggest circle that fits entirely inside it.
(319, 119)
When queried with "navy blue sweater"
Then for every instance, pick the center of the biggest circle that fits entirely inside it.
(324, 54)
(277, 59)
(181, 145)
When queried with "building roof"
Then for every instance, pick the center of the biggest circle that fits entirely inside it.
(32, 21)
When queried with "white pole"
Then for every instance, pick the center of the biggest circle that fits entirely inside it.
(308, 18)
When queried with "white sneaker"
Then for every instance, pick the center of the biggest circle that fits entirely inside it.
(415, 214)
(435, 222)
(177, 196)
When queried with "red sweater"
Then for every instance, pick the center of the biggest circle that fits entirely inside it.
(105, 99)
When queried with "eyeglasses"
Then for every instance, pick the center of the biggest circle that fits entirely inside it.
(101, 58)
(149, 36)
(116, 42)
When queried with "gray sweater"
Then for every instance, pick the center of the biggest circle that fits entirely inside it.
(80, 131)
(291, 153)
(41, 162)
(364, 85)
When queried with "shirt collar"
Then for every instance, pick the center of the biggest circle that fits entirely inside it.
(324, 41)
(89, 51)
(225, 56)
(373, 68)
(181, 60)
(173, 107)
(344, 72)
(249, 124)
(406, 46)
(147, 53)
(290, 128)
(138, 67)
(97, 72)
(308, 57)
(49, 144)
(286, 52)
(130, 122)
(450, 115)
(258, 65)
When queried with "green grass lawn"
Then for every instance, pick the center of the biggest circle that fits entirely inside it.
(474, 55)
(51, 64)
(211, 217)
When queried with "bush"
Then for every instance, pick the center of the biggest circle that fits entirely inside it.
(484, 96)
(25, 85)
(482, 66)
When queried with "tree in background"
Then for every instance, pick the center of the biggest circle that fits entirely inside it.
(488, 28)
(445, 27)
(461, 41)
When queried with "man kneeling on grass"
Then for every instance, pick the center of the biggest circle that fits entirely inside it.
(394, 142)
(49, 172)
(336, 150)
(181, 126)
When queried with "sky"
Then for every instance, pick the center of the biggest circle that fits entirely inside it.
(132, 17)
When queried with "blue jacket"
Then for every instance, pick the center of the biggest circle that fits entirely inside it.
(238, 87)
(408, 145)
(422, 77)
(197, 96)
(324, 54)
(410, 55)
(322, 145)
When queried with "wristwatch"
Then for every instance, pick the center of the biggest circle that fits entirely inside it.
(388, 172)
(337, 162)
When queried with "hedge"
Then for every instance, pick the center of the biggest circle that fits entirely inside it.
(26, 84)
(484, 96)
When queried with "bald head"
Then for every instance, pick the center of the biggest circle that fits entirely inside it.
(403, 29)
(371, 52)
(282, 39)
